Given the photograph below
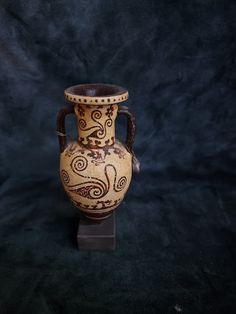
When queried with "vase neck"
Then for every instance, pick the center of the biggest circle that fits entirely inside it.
(96, 125)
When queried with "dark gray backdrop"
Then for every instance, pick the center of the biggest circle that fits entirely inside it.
(176, 228)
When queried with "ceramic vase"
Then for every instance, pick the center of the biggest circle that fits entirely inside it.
(96, 169)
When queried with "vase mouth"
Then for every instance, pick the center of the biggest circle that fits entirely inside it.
(96, 94)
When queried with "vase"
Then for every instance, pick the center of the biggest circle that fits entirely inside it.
(96, 169)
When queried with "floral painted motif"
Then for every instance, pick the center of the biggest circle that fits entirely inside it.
(109, 111)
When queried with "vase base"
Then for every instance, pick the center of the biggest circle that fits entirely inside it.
(97, 219)
(97, 235)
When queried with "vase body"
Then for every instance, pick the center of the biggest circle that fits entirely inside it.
(96, 169)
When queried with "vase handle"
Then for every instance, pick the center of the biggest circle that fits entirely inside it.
(131, 127)
(61, 131)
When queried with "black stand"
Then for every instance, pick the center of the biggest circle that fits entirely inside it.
(96, 235)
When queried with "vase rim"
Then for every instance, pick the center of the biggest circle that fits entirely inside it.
(96, 94)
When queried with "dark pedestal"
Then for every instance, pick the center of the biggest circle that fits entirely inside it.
(96, 235)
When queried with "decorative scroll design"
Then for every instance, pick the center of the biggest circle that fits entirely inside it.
(99, 130)
(93, 188)
(95, 128)
(65, 176)
(120, 184)
(79, 163)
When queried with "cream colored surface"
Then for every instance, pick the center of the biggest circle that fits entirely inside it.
(99, 100)
(98, 185)
(96, 124)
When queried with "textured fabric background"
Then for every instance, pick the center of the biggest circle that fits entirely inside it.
(176, 230)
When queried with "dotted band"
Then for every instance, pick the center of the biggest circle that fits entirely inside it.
(96, 100)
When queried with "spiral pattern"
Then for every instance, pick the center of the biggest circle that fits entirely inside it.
(91, 190)
(96, 115)
(103, 131)
(100, 133)
(79, 163)
(82, 124)
(109, 123)
(97, 191)
(65, 176)
(121, 184)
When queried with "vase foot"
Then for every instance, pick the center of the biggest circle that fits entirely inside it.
(97, 219)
